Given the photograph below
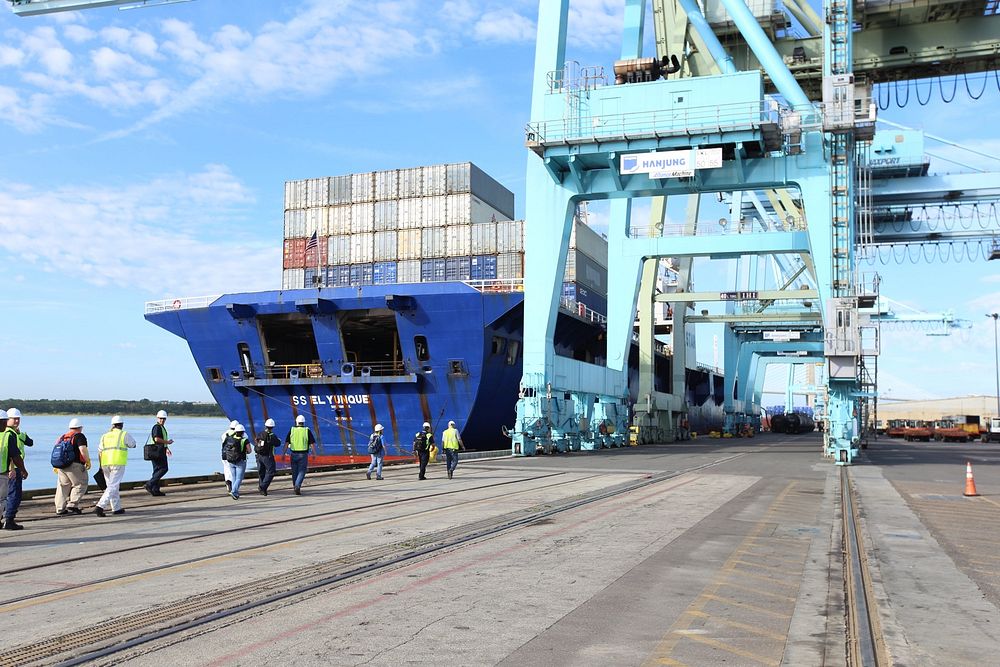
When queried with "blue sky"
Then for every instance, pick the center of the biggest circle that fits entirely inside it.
(143, 155)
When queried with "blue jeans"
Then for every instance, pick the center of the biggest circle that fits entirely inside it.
(265, 471)
(300, 461)
(376, 464)
(451, 455)
(13, 495)
(236, 472)
(160, 467)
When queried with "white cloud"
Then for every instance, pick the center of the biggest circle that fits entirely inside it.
(177, 234)
(504, 25)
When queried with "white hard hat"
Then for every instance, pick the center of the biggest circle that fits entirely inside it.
(269, 423)
(427, 424)
(75, 423)
(451, 423)
(117, 419)
(162, 414)
(238, 428)
(378, 427)
(233, 424)
(301, 419)
(13, 413)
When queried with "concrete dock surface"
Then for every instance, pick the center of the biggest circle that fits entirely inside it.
(708, 552)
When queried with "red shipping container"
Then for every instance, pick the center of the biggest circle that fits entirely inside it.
(294, 254)
(312, 258)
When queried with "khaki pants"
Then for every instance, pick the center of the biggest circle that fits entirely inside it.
(72, 485)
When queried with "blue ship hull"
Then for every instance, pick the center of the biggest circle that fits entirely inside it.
(399, 355)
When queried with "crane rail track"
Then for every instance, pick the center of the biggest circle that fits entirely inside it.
(865, 643)
(110, 638)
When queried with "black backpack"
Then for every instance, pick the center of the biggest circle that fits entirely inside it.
(232, 449)
(420, 442)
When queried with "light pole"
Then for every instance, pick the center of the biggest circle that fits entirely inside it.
(996, 356)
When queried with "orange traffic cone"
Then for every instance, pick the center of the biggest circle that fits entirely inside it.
(970, 483)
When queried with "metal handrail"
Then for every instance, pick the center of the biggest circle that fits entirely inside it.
(315, 370)
(497, 285)
(181, 303)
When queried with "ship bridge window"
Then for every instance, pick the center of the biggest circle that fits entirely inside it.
(420, 345)
(288, 340)
(371, 340)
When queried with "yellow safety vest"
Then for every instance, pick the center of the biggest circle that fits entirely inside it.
(21, 436)
(4, 440)
(113, 449)
(298, 438)
(450, 438)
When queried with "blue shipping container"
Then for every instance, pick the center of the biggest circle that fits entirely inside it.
(310, 278)
(483, 267)
(338, 276)
(432, 270)
(384, 273)
(585, 295)
(361, 274)
(457, 268)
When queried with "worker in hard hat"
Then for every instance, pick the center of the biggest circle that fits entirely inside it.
(423, 441)
(72, 482)
(265, 447)
(234, 451)
(376, 448)
(112, 451)
(15, 488)
(11, 461)
(451, 442)
(157, 454)
(225, 468)
(299, 442)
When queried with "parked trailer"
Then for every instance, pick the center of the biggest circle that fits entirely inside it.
(992, 434)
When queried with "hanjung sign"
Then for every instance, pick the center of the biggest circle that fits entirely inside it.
(737, 296)
(782, 336)
(671, 164)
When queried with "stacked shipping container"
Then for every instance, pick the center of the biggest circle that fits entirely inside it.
(441, 222)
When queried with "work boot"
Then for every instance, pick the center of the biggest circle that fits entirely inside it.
(9, 524)
(61, 512)
(229, 486)
(99, 511)
(149, 489)
(74, 510)
(449, 474)
(368, 475)
(298, 491)
(119, 511)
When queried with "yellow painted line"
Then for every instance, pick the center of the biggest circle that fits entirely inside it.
(765, 565)
(773, 557)
(755, 591)
(754, 629)
(744, 605)
(728, 648)
(670, 662)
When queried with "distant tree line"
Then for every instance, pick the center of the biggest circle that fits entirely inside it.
(115, 407)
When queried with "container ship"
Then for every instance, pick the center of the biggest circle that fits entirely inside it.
(401, 302)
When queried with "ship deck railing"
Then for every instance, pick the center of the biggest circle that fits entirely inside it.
(497, 285)
(352, 369)
(181, 303)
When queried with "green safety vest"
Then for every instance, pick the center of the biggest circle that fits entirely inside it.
(113, 449)
(166, 436)
(450, 438)
(4, 439)
(298, 438)
(21, 436)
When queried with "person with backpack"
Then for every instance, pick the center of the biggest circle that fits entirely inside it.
(451, 442)
(234, 453)
(423, 441)
(156, 451)
(225, 468)
(75, 459)
(12, 496)
(11, 459)
(112, 453)
(299, 441)
(267, 443)
(376, 448)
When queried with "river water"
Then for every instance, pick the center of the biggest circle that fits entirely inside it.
(196, 448)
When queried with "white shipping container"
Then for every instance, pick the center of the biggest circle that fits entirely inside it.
(295, 224)
(459, 177)
(316, 221)
(340, 189)
(589, 242)
(411, 182)
(386, 215)
(386, 185)
(434, 211)
(411, 213)
(317, 192)
(435, 180)
(295, 195)
(510, 265)
(408, 246)
(293, 278)
(362, 187)
(362, 218)
(459, 243)
(408, 271)
(484, 239)
(480, 211)
(433, 242)
(362, 248)
(339, 219)
(339, 250)
(459, 209)
(510, 236)
(385, 246)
